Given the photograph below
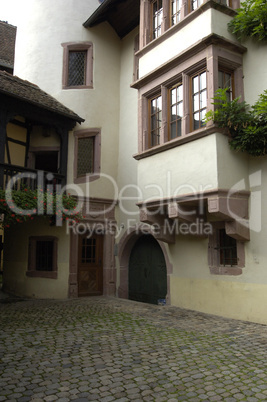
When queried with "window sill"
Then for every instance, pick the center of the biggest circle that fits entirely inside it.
(87, 178)
(195, 135)
(227, 270)
(78, 87)
(42, 274)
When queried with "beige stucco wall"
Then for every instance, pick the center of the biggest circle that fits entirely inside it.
(128, 138)
(242, 301)
(62, 22)
(254, 68)
(16, 261)
(186, 169)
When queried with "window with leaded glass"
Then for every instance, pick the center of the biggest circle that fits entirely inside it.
(175, 11)
(155, 120)
(176, 111)
(225, 80)
(157, 16)
(87, 147)
(77, 68)
(199, 99)
(77, 65)
(85, 156)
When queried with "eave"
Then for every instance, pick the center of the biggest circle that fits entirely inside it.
(122, 15)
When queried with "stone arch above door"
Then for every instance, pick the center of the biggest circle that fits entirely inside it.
(125, 247)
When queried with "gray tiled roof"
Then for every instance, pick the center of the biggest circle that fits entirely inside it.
(7, 44)
(24, 90)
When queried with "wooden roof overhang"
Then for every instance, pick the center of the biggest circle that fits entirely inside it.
(122, 15)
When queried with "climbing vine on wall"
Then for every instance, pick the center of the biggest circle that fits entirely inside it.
(250, 20)
(246, 126)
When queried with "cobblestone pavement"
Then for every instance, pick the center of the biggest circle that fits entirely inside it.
(106, 349)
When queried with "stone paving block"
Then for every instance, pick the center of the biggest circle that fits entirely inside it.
(104, 349)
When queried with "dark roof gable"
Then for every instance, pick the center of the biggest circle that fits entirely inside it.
(122, 15)
(26, 91)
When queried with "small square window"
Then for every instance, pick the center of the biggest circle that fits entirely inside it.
(77, 68)
(226, 255)
(77, 65)
(42, 257)
(86, 155)
(227, 249)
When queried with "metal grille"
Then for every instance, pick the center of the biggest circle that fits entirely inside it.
(44, 255)
(85, 156)
(77, 68)
(227, 248)
(89, 251)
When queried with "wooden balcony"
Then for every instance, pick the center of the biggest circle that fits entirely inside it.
(29, 178)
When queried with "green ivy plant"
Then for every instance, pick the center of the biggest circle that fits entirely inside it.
(246, 126)
(250, 20)
(18, 206)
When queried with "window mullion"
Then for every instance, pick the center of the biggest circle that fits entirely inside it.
(166, 15)
(165, 113)
(187, 106)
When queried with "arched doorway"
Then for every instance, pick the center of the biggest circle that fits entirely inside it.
(147, 271)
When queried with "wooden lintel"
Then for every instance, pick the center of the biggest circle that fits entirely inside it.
(239, 230)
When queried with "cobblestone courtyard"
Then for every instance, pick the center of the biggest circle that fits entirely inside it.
(105, 349)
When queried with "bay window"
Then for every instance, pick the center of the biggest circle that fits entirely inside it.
(174, 102)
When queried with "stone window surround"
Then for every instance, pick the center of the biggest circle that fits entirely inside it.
(186, 16)
(90, 132)
(78, 46)
(32, 272)
(211, 53)
(213, 254)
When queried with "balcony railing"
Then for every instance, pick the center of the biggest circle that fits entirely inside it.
(18, 177)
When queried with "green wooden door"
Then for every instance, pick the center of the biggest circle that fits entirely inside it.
(147, 271)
